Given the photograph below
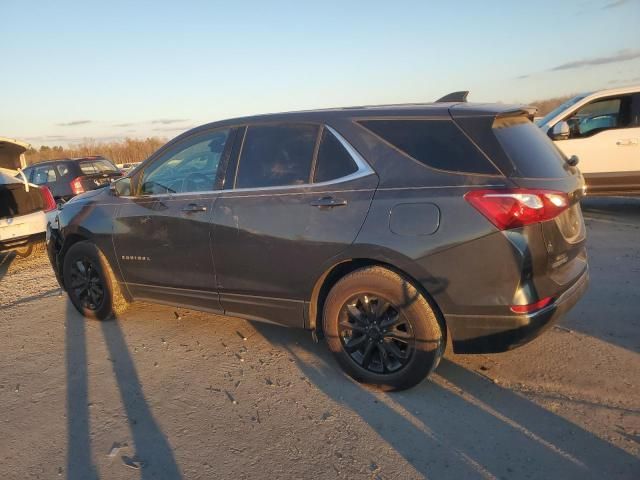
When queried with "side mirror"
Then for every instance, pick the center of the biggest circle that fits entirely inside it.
(560, 131)
(573, 160)
(121, 187)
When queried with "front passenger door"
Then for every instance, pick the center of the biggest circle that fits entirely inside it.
(162, 234)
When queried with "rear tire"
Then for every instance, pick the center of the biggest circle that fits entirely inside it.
(33, 248)
(90, 282)
(382, 330)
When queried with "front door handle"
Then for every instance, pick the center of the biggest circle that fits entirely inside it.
(194, 207)
(328, 202)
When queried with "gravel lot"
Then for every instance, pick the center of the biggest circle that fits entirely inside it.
(171, 393)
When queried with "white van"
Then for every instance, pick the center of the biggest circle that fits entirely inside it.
(602, 129)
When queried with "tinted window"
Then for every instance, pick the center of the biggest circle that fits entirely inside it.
(45, 174)
(190, 167)
(333, 159)
(436, 143)
(276, 155)
(63, 169)
(90, 167)
(530, 150)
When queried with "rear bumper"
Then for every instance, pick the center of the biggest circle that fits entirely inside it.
(492, 334)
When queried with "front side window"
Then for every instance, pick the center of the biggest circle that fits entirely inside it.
(45, 174)
(333, 159)
(193, 167)
(600, 115)
(277, 155)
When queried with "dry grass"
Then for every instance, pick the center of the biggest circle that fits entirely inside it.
(129, 150)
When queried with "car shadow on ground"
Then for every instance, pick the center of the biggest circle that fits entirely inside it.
(6, 259)
(154, 455)
(608, 311)
(459, 424)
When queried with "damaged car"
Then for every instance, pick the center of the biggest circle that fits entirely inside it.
(391, 231)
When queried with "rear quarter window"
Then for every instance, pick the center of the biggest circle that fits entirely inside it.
(532, 153)
(437, 144)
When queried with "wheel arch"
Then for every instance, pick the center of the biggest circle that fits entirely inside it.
(339, 270)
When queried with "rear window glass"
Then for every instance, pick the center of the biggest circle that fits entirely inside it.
(90, 167)
(436, 143)
(333, 159)
(533, 154)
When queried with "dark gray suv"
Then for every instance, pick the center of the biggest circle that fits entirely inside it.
(389, 231)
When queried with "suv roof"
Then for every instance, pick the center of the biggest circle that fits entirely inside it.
(431, 110)
(70, 159)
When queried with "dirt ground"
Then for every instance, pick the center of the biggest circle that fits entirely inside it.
(169, 393)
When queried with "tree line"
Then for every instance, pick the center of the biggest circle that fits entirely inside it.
(129, 150)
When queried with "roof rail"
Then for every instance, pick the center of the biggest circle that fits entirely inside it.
(460, 96)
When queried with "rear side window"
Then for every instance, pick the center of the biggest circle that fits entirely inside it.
(435, 143)
(44, 174)
(333, 159)
(277, 155)
(533, 154)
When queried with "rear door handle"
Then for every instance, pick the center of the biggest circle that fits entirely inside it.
(328, 202)
(627, 141)
(194, 207)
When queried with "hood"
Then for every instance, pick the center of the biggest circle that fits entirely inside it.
(12, 153)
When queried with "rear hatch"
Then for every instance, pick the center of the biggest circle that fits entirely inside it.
(532, 162)
(97, 172)
(15, 200)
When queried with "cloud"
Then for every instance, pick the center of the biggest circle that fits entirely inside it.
(74, 123)
(615, 4)
(123, 125)
(621, 56)
(171, 129)
(168, 121)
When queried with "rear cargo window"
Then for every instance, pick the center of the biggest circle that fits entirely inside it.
(97, 166)
(435, 143)
(533, 154)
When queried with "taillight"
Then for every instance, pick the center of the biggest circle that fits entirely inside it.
(76, 186)
(532, 307)
(47, 199)
(513, 208)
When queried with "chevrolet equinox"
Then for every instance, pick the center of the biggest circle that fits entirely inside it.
(391, 231)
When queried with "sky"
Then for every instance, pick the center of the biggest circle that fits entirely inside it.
(77, 70)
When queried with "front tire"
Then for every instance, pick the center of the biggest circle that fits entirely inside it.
(382, 330)
(90, 282)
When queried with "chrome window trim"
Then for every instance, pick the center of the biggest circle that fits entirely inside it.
(364, 169)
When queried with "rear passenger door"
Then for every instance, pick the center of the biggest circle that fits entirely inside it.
(299, 197)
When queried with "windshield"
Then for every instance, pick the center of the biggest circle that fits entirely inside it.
(99, 165)
(549, 116)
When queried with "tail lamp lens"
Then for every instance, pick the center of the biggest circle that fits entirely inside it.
(48, 200)
(513, 208)
(76, 186)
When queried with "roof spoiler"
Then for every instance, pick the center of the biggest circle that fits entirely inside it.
(460, 96)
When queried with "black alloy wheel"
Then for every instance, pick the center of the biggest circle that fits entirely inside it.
(375, 334)
(86, 284)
